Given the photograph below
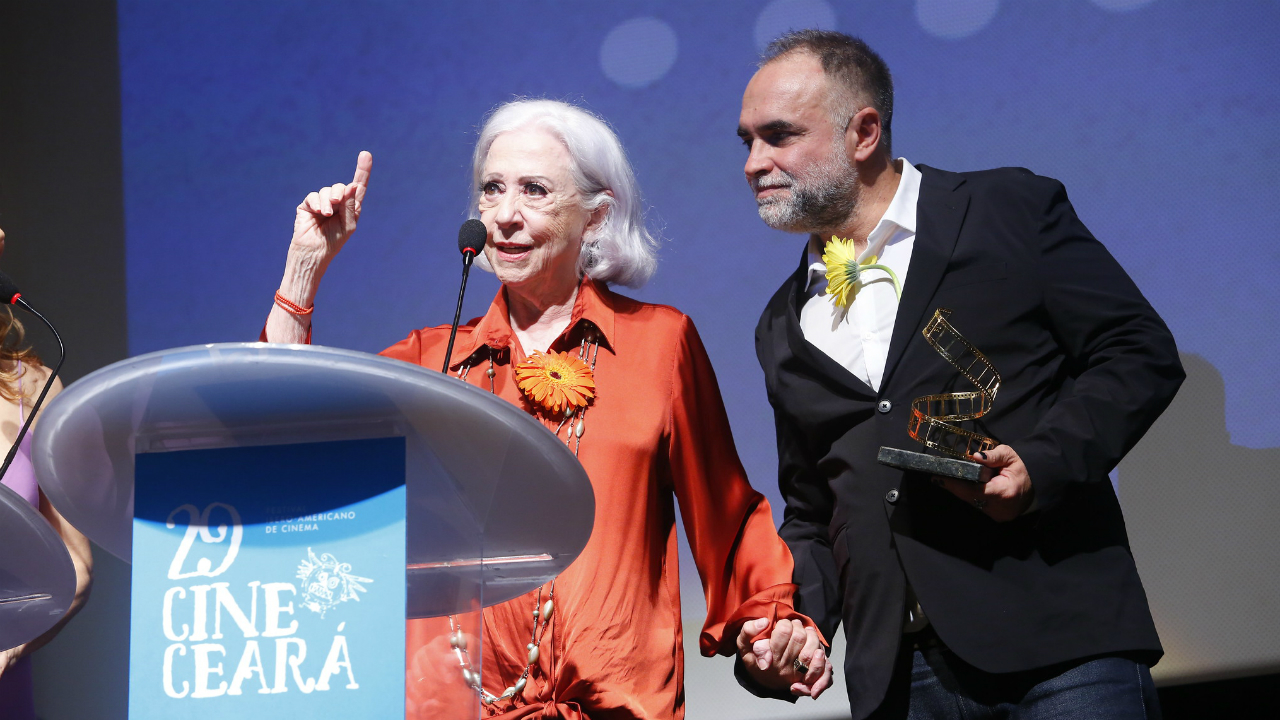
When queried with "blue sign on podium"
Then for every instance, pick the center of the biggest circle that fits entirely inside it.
(269, 578)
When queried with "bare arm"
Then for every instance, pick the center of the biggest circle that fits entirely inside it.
(81, 558)
(325, 220)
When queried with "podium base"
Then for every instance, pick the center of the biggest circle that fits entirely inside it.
(934, 465)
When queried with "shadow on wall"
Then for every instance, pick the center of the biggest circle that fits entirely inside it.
(1202, 521)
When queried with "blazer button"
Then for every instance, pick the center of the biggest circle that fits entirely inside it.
(891, 496)
(884, 406)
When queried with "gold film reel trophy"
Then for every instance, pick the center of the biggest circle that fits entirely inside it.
(934, 417)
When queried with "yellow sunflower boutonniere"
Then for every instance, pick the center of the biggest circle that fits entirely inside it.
(844, 272)
(555, 381)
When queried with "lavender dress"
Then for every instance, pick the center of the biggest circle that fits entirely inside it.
(16, 699)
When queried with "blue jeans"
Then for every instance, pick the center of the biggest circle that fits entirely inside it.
(931, 683)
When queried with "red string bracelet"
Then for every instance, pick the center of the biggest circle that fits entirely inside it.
(292, 308)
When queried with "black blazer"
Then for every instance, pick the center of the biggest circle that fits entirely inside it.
(1087, 366)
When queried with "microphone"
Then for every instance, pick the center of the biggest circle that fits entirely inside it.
(471, 238)
(10, 295)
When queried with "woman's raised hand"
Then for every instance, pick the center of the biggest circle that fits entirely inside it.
(326, 218)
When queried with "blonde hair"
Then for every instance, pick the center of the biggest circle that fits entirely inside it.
(14, 352)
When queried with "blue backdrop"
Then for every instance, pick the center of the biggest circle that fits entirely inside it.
(1159, 115)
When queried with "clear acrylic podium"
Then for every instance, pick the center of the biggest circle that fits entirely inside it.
(37, 579)
(495, 504)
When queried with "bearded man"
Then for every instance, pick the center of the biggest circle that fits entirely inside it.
(1014, 598)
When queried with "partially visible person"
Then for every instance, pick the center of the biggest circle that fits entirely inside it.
(22, 376)
(1017, 598)
(556, 193)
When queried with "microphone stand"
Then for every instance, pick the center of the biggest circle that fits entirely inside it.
(468, 256)
(62, 355)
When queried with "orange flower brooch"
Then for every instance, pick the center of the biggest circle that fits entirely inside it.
(555, 381)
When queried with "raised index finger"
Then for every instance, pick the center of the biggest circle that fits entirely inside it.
(364, 166)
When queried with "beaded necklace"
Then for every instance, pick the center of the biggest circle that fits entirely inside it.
(588, 350)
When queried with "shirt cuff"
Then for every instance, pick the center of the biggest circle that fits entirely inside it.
(773, 603)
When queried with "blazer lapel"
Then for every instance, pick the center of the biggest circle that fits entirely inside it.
(939, 215)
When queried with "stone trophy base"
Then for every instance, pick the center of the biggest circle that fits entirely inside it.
(934, 465)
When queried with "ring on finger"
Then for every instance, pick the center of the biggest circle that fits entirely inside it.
(799, 667)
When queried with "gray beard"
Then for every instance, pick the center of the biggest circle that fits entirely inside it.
(822, 201)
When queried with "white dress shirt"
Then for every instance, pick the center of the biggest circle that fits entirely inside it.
(859, 338)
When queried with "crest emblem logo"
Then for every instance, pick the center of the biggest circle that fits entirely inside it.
(325, 582)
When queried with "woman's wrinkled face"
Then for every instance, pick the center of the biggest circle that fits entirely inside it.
(532, 209)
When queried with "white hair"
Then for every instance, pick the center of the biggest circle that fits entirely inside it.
(619, 249)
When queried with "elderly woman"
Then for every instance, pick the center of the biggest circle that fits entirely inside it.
(644, 416)
(21, 378)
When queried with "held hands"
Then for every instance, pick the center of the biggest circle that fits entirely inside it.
(770, 661)
(326, 218)
(1003, 498)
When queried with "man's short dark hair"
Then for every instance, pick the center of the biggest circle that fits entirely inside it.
(851, 62)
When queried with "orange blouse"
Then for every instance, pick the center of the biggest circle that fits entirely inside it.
(657, 429)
